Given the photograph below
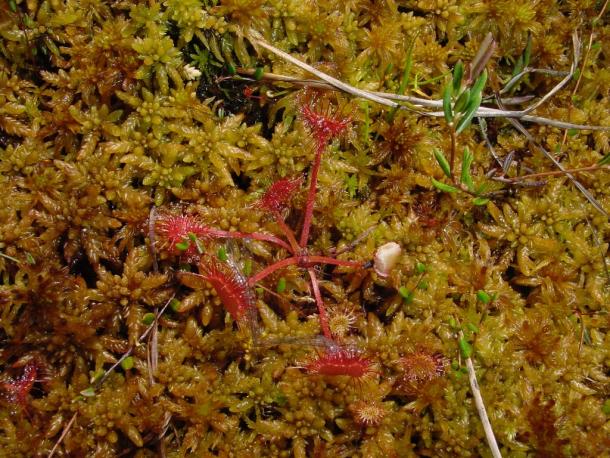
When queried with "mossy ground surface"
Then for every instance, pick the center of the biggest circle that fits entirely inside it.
(101, 119)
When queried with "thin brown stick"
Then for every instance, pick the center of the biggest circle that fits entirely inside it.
(582, 71)
(63, 435)
(589, 168)
(478, 401)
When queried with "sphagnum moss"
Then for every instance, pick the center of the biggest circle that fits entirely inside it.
(101, 118)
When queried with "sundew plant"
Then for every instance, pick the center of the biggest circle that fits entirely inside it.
(236, 228)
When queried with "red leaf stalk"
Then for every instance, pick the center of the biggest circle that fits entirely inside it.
(302, 261)
(324, 125)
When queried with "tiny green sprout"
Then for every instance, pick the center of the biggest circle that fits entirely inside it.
(127, 363)
(248, 267)
(443, 186)
(443, 162)
(30, 259)
(472, 328)
(97, 376)
(183, 246)
(281, 285)
(222, 254)
(480, 201)
(231, 69)
(572, 132)
(12, 5)
(452, 323)
(466, 178)
(447, 110)
(258, 73)
(175, 305)
(606, 407)
(465, 347)
(458, 73)
(406, 294)
(193, 238)
(148, 318)
(88, 392)
(483, 296)
(420, 267)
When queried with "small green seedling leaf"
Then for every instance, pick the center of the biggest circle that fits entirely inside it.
(462, 101)
(466, 178)
(458, 73)
(148, 318)
(442, 186)
(175, 305)
(281, 285)
(420, 267)
(442, 161)
(479, 201)
(465, 347)
(12, 5)
(479, 84)
(528, 50)
(452, 323)
(258, 73)
(231, 69)
(97, 377)
(447, 93)
(127, 363)
(30, 259)
(572, 132)
(248, 267)
(88, 392)
(222, 254)
(406, 294)
(483, 296)
(471, 109)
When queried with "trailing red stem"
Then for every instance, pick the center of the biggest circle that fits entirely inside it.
(311, 196)
(304, 261)
(287, 232)
(320, 303)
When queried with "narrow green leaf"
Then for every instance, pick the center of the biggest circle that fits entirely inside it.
(12, 5)
(458, 73)
(480, 201)
(528, 50)
(605, 160)
(442, 161)
(447, 93)
(420, 267)
(465, 348)
(443, 187)
(88, 392)
(462, 101)
(473, 106)
(518, 66)
(248, 267)
(466, 178)
(479, 84)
